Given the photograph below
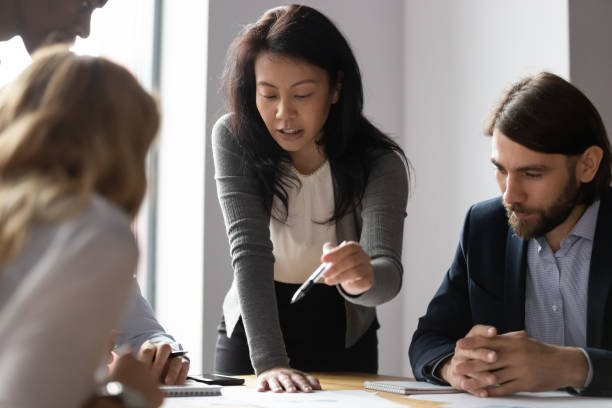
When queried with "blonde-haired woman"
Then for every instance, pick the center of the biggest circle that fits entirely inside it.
(74, 134)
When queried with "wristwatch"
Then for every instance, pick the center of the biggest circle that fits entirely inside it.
(127, 397)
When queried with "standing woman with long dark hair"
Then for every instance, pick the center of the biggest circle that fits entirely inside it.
(299, 168)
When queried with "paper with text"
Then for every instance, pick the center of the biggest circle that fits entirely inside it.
(316, 399)
(553, 399)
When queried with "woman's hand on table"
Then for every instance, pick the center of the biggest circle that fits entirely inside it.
(279, 379)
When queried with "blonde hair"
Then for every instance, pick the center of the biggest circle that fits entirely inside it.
(70, 126)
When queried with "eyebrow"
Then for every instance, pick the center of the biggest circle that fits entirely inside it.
(302, 82)
(532, 167)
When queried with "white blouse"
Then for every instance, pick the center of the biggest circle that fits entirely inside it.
(298, 242)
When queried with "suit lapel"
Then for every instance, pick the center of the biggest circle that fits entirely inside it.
(514, 283)
(600, 273)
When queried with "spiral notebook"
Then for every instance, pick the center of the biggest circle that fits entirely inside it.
(191, 389)
(409, 387)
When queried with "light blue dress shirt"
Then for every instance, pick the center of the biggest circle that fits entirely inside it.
(556, 286)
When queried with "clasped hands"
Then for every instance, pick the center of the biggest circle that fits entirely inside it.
(488, 365)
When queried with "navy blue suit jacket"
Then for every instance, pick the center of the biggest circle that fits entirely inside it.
(486, 285)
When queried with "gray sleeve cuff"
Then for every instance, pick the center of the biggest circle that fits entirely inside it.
(387, 284)
(140, 324)
(166, 338)
(435, 366)
(590, 375)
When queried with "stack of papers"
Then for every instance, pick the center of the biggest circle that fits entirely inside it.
(409, 387)
(191, 389)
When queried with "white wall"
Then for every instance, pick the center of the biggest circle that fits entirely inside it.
(459, 56)
(591, 53)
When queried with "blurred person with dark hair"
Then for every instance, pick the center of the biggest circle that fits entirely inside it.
(44, 22)
(526, 303)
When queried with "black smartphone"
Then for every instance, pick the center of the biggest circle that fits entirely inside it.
(216, 379)
(175, 354)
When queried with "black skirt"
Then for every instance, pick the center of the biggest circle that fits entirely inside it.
(314, 331)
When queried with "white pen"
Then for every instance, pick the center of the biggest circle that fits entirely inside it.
(312, 279)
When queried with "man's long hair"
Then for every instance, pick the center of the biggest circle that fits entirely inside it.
(547, 114)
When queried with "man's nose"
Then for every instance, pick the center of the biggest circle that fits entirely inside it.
(513, 192)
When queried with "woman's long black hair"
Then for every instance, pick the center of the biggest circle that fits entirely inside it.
(350, 141)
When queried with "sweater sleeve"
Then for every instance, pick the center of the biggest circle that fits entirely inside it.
(247, 227)
(383, 212)
(56, 326)
(140, 324)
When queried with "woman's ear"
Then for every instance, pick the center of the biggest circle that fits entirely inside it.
(588, 164)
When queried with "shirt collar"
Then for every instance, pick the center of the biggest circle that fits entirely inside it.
(584, 228)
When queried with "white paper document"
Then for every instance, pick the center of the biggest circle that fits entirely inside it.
(554, 399)
(315, 399)
(199, 402)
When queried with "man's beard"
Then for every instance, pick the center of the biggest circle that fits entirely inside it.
(548, 218)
